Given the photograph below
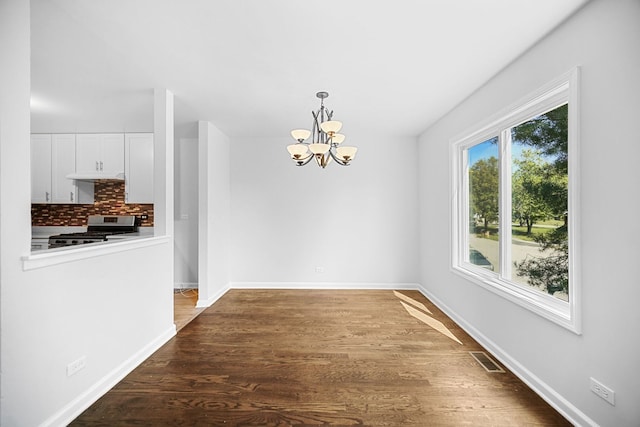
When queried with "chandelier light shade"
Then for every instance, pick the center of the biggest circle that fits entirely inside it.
(298, 151)
(346, 153)
(325, 140)
(300, 135)
(319, 148)
(331, 127)
(337, 138)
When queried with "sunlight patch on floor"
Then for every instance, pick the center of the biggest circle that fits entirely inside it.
(428, 320)
(412, 301)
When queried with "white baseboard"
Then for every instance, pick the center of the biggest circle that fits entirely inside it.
(186, 285)
(322, 285)
(91, 395)
(209, 301)
(552, 397)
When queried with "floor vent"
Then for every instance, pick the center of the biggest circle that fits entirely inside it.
(487, 363)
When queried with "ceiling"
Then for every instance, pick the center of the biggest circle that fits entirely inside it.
(253, 67)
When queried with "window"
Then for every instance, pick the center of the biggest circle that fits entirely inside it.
(515, 203)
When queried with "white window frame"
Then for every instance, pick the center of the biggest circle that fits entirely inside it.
(558, 92)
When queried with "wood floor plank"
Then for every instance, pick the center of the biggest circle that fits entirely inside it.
(317, 357)
(184, 307)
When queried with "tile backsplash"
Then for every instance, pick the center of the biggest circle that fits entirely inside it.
(108, 200)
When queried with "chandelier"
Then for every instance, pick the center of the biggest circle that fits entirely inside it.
(325, 143)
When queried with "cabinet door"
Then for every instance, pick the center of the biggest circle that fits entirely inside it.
(112, 155)
(139, 168)
(88, 153)
(63, 162)
(40, 168)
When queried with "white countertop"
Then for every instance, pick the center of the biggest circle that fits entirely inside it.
(138, 234)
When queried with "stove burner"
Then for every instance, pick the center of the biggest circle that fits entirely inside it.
(99, 228)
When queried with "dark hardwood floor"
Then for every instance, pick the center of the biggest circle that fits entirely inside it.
(316, 357)
(184, 307)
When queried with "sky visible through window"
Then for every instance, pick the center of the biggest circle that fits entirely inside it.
(482, 151)
(488, 149)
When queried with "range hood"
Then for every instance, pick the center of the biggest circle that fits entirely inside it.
(95, 176)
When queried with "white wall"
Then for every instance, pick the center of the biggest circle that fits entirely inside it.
(186, 213)
(604, 39)
(358, 222)
(112, 309)
(214, 210)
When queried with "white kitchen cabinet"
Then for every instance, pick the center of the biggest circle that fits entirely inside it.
(53, 157)
(63, 162)
(100, 153)
(138, 160)
(40, 168)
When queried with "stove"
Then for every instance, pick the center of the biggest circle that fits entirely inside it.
(99, 227)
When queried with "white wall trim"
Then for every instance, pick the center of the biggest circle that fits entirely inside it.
(76, 253)
(72, 410)
(322, 285)
(215, 297)
(542, 389)
(185, 285)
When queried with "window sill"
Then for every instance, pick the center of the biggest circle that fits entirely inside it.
(547, 306)
(51, 257)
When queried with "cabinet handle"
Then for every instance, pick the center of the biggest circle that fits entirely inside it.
(46, 196)
(71, 195)
(97, 166)
(100, 165)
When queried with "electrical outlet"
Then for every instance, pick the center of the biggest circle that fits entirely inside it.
(76, 365)
(319, 269)
(603, 391)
